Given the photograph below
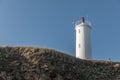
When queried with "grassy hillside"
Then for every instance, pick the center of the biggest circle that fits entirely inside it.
(30, 63)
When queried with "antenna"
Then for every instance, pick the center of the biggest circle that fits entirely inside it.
(87, 19)
(73, 22)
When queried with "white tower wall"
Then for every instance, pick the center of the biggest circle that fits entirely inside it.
(83, 41)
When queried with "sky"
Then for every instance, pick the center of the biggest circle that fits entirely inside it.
(50, 24)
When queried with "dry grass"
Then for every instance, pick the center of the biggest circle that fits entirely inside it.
(33, 63)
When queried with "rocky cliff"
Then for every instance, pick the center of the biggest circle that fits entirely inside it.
(30, 63)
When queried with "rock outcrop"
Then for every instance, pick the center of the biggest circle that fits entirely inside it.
(30, 63)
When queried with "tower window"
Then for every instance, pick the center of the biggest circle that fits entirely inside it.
(79, 45)
(79, 30)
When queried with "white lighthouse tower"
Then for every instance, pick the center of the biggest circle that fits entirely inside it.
(83, 40)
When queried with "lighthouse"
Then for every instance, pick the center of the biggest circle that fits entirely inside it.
(83, 40)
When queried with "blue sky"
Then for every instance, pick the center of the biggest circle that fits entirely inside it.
(49, 23)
